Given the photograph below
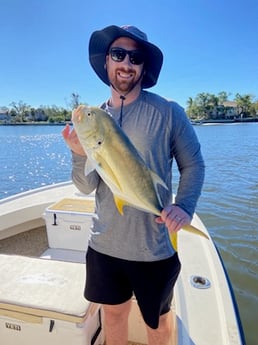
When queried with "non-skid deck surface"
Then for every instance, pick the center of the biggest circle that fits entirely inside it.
(29, 243)
(42, 288)
(74, 205)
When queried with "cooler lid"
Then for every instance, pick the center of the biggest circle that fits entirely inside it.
(74, 205)
(43, 287)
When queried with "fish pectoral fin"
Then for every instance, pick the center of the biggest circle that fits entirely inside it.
(157, 180)
(107, 172)
(173, 240)
(90, 166)
(120, 203)
(194, 230)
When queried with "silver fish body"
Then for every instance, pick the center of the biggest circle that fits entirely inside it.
(114, 157)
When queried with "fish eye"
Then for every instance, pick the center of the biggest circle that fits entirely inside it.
(99, 141)
(89, 113)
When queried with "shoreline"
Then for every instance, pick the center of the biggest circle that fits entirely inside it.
(223, 121)
(193, 122)
(37, 124)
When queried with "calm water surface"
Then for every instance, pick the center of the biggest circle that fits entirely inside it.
(229, 209)
(33, 156)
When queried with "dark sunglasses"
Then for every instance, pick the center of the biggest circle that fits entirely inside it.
(136, 57)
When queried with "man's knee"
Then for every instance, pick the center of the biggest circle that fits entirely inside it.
(162, 334)
(117, 313)
(165, 322)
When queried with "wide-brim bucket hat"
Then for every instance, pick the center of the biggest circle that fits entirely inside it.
(101, 40)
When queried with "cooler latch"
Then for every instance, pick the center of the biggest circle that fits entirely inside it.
(54, 219)
(51, 325)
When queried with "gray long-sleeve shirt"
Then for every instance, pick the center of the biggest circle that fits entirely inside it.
(161, 132)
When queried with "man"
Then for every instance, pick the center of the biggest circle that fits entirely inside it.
(132, 254)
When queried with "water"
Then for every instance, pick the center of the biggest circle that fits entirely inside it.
(229, 209)
(33, 156)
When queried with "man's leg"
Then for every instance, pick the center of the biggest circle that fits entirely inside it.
(165, 334)
(116, 323)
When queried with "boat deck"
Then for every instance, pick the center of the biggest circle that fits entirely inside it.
(20, 244)
(202, 312)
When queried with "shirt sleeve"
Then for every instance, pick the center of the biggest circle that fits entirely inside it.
(85, 184)
(186, 150)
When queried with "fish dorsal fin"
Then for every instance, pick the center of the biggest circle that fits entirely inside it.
(157, 180)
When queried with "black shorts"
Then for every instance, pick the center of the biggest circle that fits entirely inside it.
(113, 281)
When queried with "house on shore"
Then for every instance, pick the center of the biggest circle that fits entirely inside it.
(228, 111)
(4, 114)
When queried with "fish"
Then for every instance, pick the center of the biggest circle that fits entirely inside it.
(111, 153)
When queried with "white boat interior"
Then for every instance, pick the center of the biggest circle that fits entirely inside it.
(41, 290)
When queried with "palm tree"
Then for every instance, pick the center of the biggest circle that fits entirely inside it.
(244, 104)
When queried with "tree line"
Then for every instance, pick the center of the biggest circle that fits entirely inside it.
(207, 106)
(23, 112)
(204, 106)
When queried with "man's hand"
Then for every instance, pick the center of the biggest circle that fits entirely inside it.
(72, 140)
(174, 218)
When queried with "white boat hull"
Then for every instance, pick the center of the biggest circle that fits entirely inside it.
(203, 305)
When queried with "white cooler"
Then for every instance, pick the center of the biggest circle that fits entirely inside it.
(42, 302)
(68, 223)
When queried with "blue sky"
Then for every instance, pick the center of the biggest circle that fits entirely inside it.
(208, 46)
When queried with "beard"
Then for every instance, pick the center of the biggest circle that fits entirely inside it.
(122, 84)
